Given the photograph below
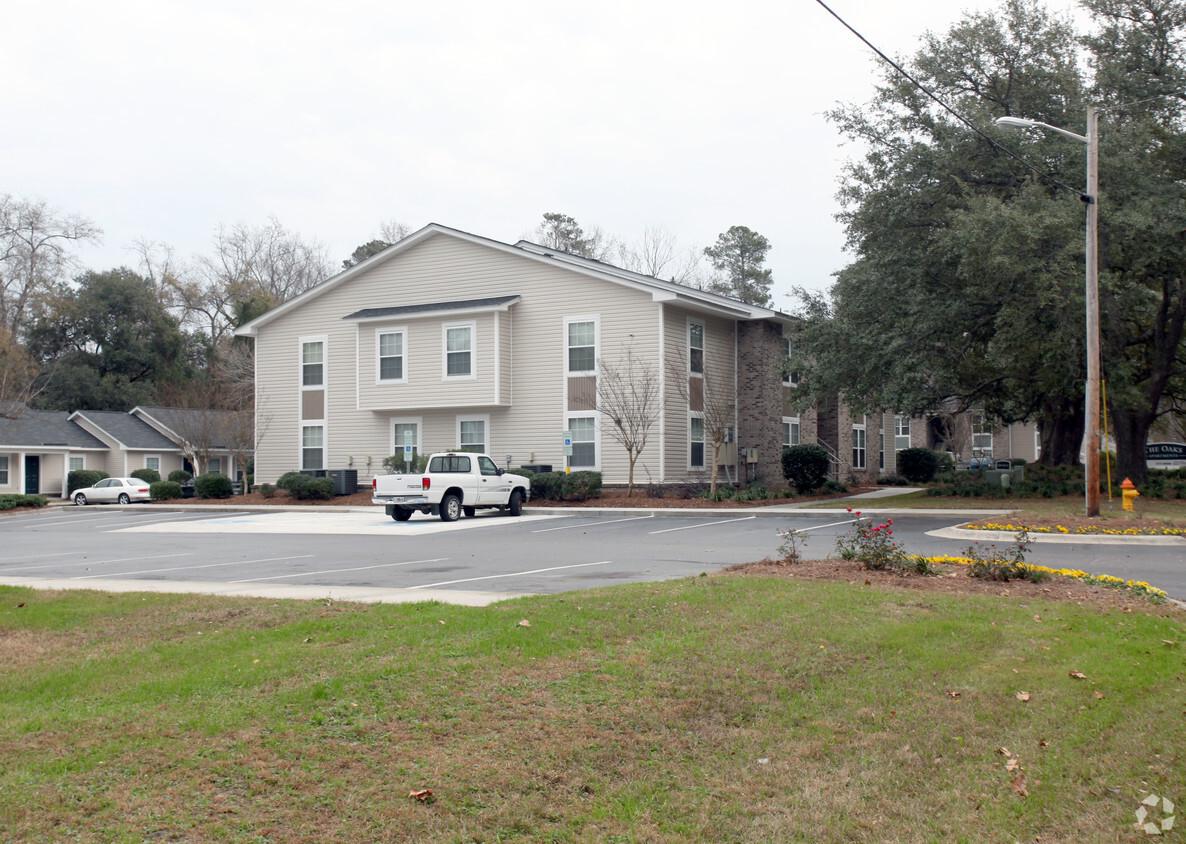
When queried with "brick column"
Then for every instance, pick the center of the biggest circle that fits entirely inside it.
(760, 399)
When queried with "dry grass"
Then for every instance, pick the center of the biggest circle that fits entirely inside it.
(729, 708)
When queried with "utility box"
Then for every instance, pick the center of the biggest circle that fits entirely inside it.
(345, 480)
(536, 468)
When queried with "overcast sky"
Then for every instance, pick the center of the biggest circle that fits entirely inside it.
(160, 120)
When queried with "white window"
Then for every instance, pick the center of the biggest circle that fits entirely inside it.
(312, 363)
(790, 431)
(584, 442)
(791, 379)
(696, 347)
(981, 436)
(151, 461)
(901, 432)
(76, 464)
(471, 433)
(881, 451)
(214, 464)
(389, 346)
(312, 446)
(582, 346)
(459, 351)
(696, 442)
(858, 444)
(4, 470)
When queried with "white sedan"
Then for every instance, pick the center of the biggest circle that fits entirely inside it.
(113, 491)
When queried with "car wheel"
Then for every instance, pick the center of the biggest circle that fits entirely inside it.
(469, 511)
(450, 508)
(123, 498)
(401, 514)
(516, 503)
(80, 500)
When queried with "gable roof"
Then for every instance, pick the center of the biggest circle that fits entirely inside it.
(126, 429)
(462, 306)
(660, 290)
(45, 429)
(172, 422)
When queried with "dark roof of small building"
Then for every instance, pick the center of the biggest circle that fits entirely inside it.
(432, 307)
(213, 423)
(43, 428)
(129, 430)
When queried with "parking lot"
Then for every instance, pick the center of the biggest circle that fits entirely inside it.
(360, 554)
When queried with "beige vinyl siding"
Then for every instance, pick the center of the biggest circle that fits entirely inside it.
(528, 419)
(720, 367)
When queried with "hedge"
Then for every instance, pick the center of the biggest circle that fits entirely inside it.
(82, 478)
(180, 476)
(213, 485)
(918, 465)
(164, 490)
(805, 466)
(149, 476)
(13, 501)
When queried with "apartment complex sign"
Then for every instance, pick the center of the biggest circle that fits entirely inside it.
(1165, 455)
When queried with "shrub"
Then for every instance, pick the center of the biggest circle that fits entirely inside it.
(396, 465)
(149, 476)
(580, 486)
(213, 485)
(82, 478)
(918, 465)
(753, 492)
(267, 490)
(13, 501)
(289, 480)
(1005, 564)
(317, 489)
(164, 490)
(522, 473)
(805, 466)
(180, 476)
(833, 486)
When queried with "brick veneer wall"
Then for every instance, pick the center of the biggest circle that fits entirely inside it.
(760, 397)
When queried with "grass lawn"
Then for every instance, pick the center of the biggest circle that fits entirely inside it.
(722, 708)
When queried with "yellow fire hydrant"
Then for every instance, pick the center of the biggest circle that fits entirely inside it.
(1129, 493)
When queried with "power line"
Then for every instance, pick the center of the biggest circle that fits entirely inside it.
(952, 111)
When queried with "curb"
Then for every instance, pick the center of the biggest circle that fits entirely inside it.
(1058, 538)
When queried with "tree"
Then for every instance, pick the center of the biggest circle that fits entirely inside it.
(628, 400)
(35, 244)
(21, 379)
(967, 287)
(110, 343)
(657, 254)
(563, 233)
(366, 250)
(739, 254)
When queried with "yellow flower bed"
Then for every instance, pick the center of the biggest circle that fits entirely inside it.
(1136, 587)
(1102, 531)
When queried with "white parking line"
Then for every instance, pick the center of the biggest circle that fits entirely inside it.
(594, 524)
(100, 562)
(511, 574)
(194, 568)
(338, 571)
(179, 517)
(69, 520)
(704, 524)
(821, 527)
(43, 556)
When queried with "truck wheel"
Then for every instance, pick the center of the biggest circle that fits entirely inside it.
(469, 511)
(516, 503)
(450, 508)
(401, 514)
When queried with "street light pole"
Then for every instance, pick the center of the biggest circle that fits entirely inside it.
(1091, 408)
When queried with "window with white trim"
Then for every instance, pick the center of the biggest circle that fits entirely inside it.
(151, 461)
(4, 470)
(981, 436)
(790, 431)
(901, 432)
(312, 446)
(696, 442)
(584, 441)
(77, 464)
(313, 363)
(471, 434)
(696, 348)
(582, 347)
(389, 346)
(402, 434)
(858, 444)
(459, 351)
(214, 464)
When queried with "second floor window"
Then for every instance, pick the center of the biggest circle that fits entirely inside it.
(901, 432)
(391, 356)
(696, 347)
(313, 364)
(459, 351)
(790, 379)
(582, 346)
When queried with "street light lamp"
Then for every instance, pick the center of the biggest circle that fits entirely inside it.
(1091, 411)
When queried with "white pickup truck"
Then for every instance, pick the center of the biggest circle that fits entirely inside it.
(455, 482)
